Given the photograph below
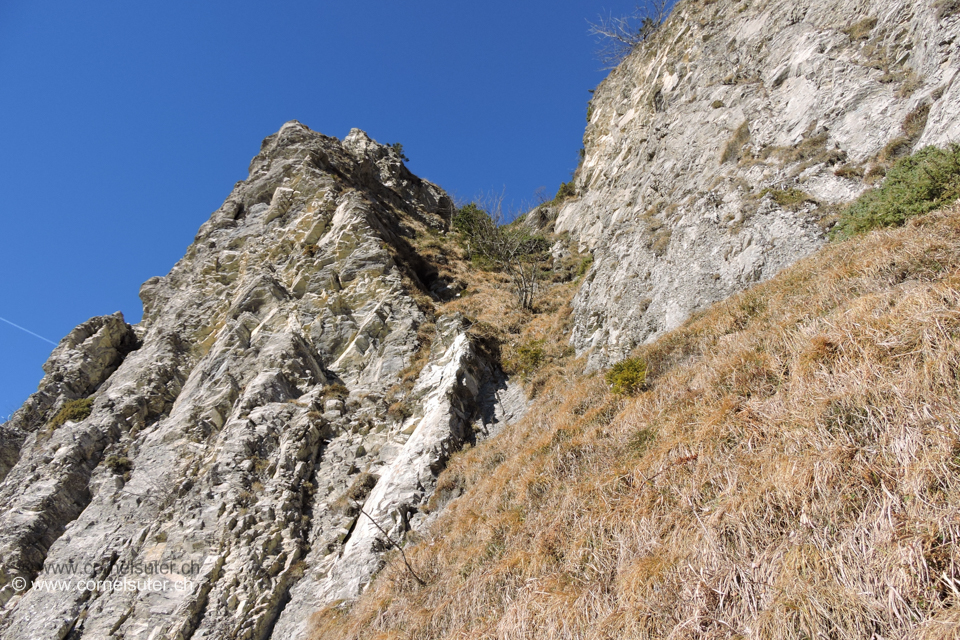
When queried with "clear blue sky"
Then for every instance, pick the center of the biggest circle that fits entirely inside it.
(123, 125)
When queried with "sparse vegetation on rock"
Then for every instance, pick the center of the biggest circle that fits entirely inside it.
(118, 464)
(73, 411)
(617, 36)
(611, 418)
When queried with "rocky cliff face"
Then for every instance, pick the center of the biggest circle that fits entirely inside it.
(236, 433)
(278, 419)
(714, 152)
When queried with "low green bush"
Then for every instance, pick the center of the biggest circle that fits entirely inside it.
(526, 358)
(627, 376)
(585, 265)
(787, 198)
(473, 223)
(73, 411)
(567, 190)
(917, 184)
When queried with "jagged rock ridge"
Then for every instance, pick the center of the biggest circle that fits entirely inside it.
(232, 429)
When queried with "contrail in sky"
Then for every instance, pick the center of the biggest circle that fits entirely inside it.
(28, 331)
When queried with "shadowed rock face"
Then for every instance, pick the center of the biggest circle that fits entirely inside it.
(714, 151)
(227, 426)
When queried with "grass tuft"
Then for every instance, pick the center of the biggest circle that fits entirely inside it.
(72, 411)
(788, 198)
(734, 146)
(861, 30)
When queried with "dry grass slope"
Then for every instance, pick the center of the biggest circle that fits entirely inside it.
(792, 470)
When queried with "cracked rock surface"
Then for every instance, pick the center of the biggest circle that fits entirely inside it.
(716, 152)
(233, 433)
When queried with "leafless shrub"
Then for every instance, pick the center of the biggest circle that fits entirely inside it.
(618, 36)
(512, 249)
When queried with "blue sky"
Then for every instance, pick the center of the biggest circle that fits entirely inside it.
(123, 125)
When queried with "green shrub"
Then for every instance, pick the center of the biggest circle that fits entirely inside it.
(566, 191)
(627, 376)
(717, 104)
(471, 220)
(585, 265)
(510, 248)
(398, 149)
(917, 184)
(73, 411)
(475, 227)
(527, 358)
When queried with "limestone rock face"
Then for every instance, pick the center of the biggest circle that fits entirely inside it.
(714, 152)
(248, 451)
(77, 367)
(232, 430)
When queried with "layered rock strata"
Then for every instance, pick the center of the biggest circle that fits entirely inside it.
(235, 434)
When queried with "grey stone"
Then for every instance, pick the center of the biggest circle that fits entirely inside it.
(217, 401)
(671, 204)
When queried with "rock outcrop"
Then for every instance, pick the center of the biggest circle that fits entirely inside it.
(715, 153)
(236, 433)
(278, 419)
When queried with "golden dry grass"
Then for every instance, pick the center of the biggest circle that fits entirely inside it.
(793, 471)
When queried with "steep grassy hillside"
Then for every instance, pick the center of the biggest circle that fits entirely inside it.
(790, 470)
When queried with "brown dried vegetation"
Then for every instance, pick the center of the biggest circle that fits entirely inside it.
(792, 470)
